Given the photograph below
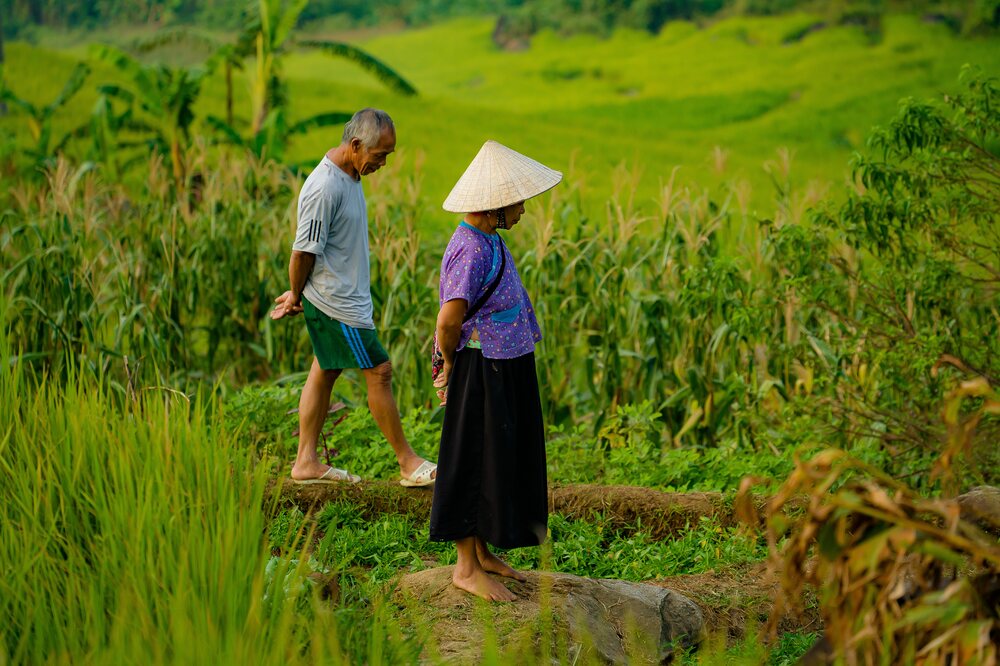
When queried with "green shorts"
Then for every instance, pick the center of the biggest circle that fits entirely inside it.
(338, 346)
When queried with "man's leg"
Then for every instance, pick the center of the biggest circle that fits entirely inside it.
(383, 407)
(313, 407)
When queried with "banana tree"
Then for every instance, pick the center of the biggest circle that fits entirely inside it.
(220, 53)
(267, 37)
(269, 30)
(166, 96)
(104, 130)
(276, 132)
(40, 117)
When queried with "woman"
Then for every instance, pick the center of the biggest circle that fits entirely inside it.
(491, 483)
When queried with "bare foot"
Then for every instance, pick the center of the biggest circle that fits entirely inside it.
(494, 564)
(480, 584)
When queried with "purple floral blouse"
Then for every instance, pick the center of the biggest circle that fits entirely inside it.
(506, 322)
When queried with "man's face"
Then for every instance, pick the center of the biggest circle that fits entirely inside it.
(369, 160)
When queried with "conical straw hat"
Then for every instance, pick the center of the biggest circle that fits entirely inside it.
(498, 177)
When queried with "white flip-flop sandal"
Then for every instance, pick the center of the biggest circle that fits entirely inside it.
(331, 475)
(420, 477)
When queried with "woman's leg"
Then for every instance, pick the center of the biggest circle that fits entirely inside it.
(493, 564)
(470, 576)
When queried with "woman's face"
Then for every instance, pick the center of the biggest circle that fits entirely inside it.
(513, 213)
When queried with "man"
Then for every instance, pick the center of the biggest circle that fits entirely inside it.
(330, 284)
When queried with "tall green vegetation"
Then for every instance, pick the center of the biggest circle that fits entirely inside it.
(859, 323)
(104, 277)
(131, 531)
(897, 291)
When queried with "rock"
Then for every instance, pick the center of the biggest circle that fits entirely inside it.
(981, 506)
(582, 620)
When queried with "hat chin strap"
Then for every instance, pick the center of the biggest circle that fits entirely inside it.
(501, 218)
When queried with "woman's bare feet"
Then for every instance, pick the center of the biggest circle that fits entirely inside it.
(470, 576)
(494, 564)
(479, 583)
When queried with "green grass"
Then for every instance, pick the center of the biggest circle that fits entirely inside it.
(752, 650)
(373, 552)
(586, 105)
(132, 533)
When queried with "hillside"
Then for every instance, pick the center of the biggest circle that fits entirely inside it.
(719, 101)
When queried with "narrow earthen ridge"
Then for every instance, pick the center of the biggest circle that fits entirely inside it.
(624, 508)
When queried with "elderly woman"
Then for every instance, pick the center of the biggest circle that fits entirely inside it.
(491, 482)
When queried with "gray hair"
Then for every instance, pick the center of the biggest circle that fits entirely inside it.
(367, 126)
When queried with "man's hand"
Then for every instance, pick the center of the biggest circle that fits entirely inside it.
(287, 306)
(441, 383)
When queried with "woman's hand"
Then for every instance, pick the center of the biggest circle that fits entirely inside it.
(448, 331)
(441, 383)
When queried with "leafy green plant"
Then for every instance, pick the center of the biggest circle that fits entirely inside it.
(39, 118)
(362, 448)
(266, 36)
(898, 287)
(166, 97)
(284, 529)
(262, 416)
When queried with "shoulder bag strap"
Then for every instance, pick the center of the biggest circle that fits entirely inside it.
(471, 312)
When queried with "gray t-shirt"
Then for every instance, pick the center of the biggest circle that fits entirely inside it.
(333, 225)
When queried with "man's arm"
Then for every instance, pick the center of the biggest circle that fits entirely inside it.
(299, 269)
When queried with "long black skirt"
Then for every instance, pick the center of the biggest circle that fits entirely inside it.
(491, 479)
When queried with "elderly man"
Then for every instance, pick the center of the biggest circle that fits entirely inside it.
(330, 284)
